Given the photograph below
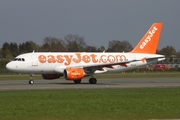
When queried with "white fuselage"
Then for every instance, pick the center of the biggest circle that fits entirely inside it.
(56, 62)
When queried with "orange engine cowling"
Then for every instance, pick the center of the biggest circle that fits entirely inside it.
(74, 73)
(51, 76)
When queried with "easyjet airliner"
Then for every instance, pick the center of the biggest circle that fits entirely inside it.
(75, 66)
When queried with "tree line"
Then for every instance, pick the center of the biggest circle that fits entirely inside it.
(70, 43)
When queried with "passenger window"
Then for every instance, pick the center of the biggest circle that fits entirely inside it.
(23, 59)
(19, 59)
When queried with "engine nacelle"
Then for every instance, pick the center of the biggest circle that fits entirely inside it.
(51, 76)
(74, 73)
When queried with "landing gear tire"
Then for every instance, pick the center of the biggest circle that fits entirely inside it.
(77, 81)
(92, 81)
(31, 81)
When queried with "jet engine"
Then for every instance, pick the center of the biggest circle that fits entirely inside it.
(51, 76)
(74, 73)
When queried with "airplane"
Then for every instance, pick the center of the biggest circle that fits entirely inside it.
(74, 66)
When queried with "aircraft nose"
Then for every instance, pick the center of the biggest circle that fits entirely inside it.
(9, 66)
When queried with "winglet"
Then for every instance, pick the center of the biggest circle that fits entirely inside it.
(149, 42)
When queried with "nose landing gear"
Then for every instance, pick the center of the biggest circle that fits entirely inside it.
(31, 81)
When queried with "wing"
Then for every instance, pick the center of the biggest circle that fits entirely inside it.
(91, 68)
(98, 68)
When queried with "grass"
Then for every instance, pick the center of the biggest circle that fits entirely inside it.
(108, 104)
(109, 75)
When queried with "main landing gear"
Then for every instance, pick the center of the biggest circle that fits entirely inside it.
(31, 81)
(91, 81)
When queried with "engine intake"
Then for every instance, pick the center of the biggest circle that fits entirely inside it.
(74, 73)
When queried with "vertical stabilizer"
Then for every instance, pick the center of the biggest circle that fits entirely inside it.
(149, 42)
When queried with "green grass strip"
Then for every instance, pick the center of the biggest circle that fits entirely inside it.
(108, 104)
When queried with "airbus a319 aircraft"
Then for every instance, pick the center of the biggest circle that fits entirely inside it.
(75, 66)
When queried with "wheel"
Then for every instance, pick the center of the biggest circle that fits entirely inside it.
(31, 81)
(77, 81)
(92, 81)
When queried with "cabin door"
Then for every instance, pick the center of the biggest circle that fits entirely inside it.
(34, 60)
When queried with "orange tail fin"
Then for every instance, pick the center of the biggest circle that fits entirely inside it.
(149, 42)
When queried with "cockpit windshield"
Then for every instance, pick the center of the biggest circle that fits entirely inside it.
(19, 59)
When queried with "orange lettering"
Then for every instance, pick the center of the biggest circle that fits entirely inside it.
(68, 59)
(78, 59)
(94, 58)
(120, 57)
(60, 59)
(86, 59)
(51, 59)
(42, 59)
(111, 59)
(101, 59)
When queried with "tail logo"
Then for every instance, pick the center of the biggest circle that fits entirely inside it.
(148, 38)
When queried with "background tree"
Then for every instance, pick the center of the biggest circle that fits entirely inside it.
(101, 49)
(119, 46)
(14, 49)
(28, 46)
(178, 54)
(90, 49)
(170, 54)
(5, 55)
(5, 51)
(74, 43)
(53, 44)
(167, 51)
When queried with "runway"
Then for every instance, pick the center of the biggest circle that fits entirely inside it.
(102, 83)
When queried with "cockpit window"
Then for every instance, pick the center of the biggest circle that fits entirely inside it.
(15, 59)
(19, 59)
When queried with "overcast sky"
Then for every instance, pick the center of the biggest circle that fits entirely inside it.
(99, 21)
